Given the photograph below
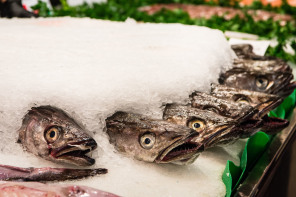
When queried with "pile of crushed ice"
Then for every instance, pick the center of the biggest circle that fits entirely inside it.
(92, 68)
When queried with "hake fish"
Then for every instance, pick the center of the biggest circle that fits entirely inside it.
(220, 106)
(212, 127)
(35, 189)
(264, 102)
(50, 133)
(12, 173)
(270, 76)
(151, 140)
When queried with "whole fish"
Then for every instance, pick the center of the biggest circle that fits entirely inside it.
(11, 173)
(50, 133)
(151, 140)
(35, 189)
(266, 102)
(211, 126)
(261, 76)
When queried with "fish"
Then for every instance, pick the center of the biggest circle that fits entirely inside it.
(45, 174)
(213, 128)
(264, 102)
(245, 51)
(268, 77)
(227, 108)
(50, 133)
(35, 189)
(151, 140)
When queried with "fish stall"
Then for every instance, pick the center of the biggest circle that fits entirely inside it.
(100, 77)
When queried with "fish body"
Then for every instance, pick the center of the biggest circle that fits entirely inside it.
(50, 133)
(151, 140)
(11, 173)
(35, 189)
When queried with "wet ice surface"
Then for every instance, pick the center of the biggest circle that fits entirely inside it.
(92, 68)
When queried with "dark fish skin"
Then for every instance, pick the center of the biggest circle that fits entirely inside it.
(11, 173)
(269, 76)
(264, 102)
(245, 51)
(222, 107)
(151, 140)
(50, 133)
(213, 129)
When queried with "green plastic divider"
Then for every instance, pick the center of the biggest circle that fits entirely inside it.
(256, 145)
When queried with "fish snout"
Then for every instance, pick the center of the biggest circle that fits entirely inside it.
(91, 143)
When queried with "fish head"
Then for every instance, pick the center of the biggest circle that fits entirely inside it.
(275, 79)
(260, 101)
(226, 108)
(51, 134)
(150, 140)
(213, 128)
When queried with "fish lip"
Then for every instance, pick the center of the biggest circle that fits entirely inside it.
(274, 123)
(75, 152)
(267, 106)
(288, 89)
(184, 155)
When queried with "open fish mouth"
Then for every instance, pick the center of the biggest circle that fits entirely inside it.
(75, 153)
(180, 152)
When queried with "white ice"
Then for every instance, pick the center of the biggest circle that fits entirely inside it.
(92, 68)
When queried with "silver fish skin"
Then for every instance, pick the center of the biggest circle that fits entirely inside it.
(262, 76)
(35, 189)
(222, 107)
(50, 133)
(12, 173)
(151, 140)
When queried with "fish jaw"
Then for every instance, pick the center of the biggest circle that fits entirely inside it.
(75, 152)
(265, 107)
(182, 152)
(272, 125)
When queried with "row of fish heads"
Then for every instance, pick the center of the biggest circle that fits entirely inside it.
(237, 108)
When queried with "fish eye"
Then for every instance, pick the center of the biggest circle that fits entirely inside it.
(52, 134)
(197, 125)
(147, 140)
(261, 82)
(241, 99)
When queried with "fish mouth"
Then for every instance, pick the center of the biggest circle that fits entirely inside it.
(75, 153)
(183, 151)
(186, 150)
